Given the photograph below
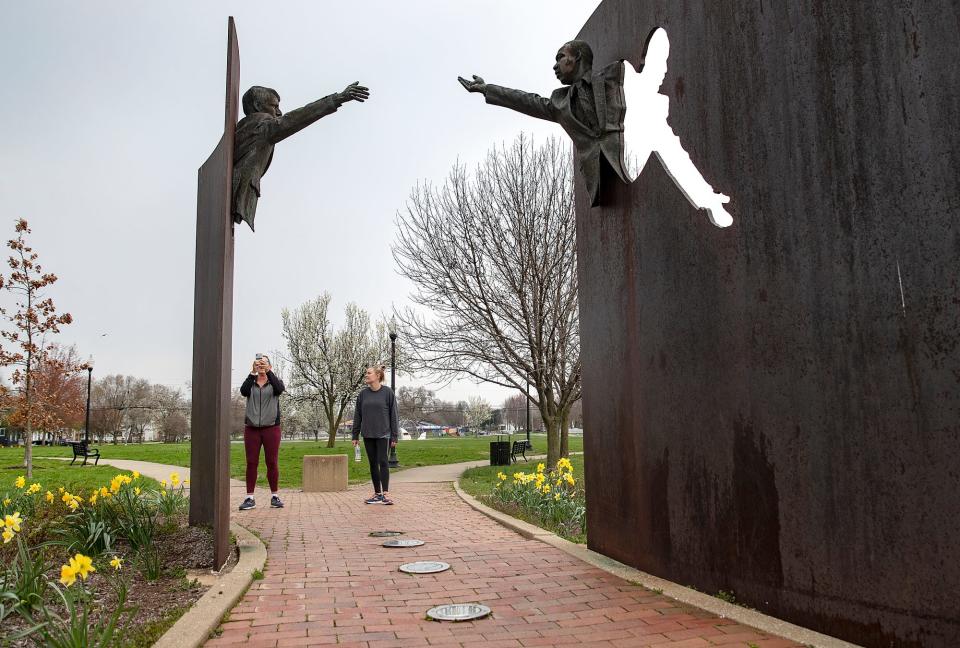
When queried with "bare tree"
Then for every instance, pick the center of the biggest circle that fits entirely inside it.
(326, 366)
(416, 403)
(493, 258)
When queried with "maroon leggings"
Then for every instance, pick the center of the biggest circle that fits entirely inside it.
(269, 438)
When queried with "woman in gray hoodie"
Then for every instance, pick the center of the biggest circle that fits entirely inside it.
(375, 418)
(262, 389)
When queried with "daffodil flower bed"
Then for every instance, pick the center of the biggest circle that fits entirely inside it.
(69, 555)
(551, 499)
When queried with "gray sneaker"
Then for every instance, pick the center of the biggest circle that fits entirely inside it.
(248, 504)
(275, 502)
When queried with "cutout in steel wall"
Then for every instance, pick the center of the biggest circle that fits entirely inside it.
(646, 131)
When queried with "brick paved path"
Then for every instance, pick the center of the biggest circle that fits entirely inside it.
(327, 582)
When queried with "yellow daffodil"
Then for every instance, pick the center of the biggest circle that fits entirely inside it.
(7, 535)
(104, 492)
(60, 490)
(557, 497)
(6, 501)
(163, 483)
(175, 479)
(68, 575)
(116, 562)
(49, 497)
(93, 498)
(163, 493)
(20, 481)
(73, 504)
(66, 498)
(501, 476)
(82, 565)
(541, 467)
(570, 479)
(13, 521)
(545, 489)
(136, 490)
(136, 475)
(34, 488)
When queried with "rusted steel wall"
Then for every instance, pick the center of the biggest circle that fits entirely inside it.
(213, 326)
(773, 409)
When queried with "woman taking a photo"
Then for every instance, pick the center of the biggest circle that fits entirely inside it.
(262, 389)
(375, 419)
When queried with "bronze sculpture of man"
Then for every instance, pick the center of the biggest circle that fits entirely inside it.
(262, 126)
(590, 108)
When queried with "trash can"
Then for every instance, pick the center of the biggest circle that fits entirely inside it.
(499, 453)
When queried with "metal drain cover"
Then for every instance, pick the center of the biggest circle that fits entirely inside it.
(403, 543)
(425, 567)
(385, 534)
(458, 612)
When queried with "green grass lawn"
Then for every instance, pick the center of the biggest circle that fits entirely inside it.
(481, 481)
(51, 474)
(411, 454)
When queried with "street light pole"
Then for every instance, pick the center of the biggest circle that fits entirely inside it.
(393, 462)
(86, 426)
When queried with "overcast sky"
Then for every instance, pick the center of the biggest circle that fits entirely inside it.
(109, 108)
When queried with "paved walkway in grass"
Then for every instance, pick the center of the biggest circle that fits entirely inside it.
(328, 583)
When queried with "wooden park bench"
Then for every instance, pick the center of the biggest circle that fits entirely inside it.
(520, 448)
(82, 449)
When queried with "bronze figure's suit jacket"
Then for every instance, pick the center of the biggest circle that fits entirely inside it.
(253, 150)
(604, 137)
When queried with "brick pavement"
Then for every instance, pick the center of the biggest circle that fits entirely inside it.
(327, 582)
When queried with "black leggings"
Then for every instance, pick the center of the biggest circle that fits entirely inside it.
(377, 450)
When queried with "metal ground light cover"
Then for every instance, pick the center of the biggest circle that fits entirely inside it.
(458, 612)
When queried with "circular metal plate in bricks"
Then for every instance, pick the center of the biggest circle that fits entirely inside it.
(385, 534)
(425, 567)
(403, 543)
(458, 612)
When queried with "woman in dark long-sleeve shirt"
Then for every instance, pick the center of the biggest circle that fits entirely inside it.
(375, 418)
(262, 389)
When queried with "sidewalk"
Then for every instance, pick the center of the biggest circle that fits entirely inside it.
(328, 583)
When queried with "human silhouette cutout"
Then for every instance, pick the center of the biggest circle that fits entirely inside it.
(646, 131)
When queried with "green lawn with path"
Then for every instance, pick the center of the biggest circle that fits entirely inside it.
(429, 452)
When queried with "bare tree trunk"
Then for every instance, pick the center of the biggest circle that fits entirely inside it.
(565, 432)
(28, 449)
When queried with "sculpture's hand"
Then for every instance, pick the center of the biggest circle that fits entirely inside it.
(717, 214)
(477, 85)
(355, 92)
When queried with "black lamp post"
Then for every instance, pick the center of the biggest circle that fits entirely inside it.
(393, 462)
(86, 426)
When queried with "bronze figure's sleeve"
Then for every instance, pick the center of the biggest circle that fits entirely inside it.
(527, 103)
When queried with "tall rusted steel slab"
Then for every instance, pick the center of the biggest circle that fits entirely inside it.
(213, 327)
(773, 409)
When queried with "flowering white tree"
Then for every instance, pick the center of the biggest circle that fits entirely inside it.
(325, 365)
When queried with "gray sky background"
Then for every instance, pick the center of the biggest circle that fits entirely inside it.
(109, 108)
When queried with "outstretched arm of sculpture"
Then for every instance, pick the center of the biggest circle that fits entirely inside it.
(689, 179)
(296, 120)
(527, 103)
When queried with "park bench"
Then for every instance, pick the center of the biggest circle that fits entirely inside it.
(82, 449)
(520, 448)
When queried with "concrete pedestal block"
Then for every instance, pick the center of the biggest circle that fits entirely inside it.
(324, 473)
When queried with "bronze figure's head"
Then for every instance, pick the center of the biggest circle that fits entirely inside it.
(259, 99)
(574, 61)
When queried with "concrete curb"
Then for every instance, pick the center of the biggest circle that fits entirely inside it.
(194, 628)
(680, 593)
